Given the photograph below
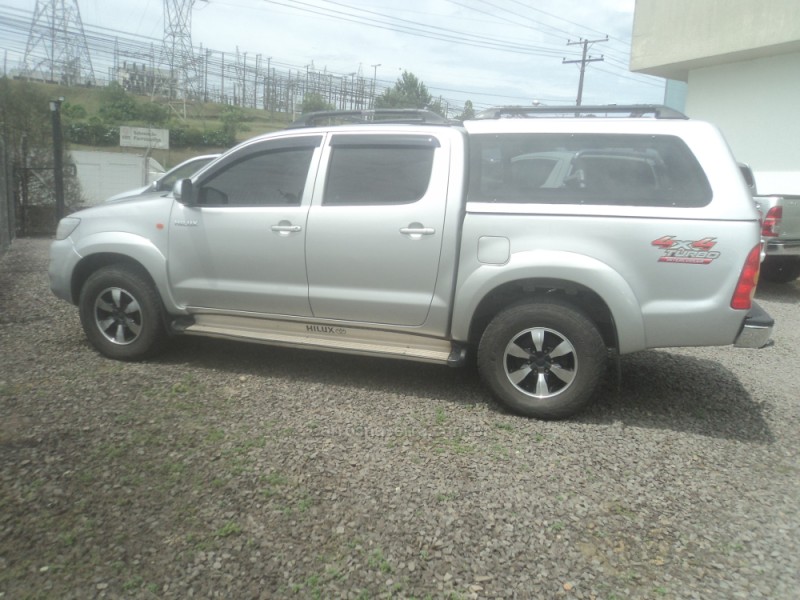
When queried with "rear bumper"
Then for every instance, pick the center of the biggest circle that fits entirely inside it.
(756, 330)
(782, 247)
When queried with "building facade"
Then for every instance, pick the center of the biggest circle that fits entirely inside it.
(741, 62)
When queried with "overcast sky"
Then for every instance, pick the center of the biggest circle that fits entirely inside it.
(526, 39)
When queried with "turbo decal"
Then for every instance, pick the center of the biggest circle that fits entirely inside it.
(692, 252)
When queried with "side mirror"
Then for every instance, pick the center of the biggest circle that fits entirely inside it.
(749, 178)
(184, 192)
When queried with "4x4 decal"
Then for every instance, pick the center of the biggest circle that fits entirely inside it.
(694, 252)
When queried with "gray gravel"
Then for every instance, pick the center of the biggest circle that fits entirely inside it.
(224, 470)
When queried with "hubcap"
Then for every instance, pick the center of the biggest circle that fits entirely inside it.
(118, 316)
(540, 362)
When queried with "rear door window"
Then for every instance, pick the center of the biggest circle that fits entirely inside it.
(379, 169)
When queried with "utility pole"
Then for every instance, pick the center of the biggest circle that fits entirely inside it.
(374, 81)
(58, 153)
(585, 59)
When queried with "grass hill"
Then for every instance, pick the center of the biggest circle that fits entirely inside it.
(192, 114)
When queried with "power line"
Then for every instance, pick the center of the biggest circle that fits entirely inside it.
(581, 26)
(505, 10)
(388, 23)
(500, 11)
(443, 34)
(141, 64)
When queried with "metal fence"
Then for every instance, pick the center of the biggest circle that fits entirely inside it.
(7, 211)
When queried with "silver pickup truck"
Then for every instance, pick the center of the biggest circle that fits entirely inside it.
(780, 217)
(540, 240)
(780, 225)
(781, 233)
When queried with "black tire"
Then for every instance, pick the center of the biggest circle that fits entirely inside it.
(780, 269)
(122, 314)
(542, 359)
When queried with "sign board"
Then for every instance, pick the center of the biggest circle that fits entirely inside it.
(144, 137)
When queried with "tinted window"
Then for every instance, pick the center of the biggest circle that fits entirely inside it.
(637, 170)
(270, 178)
(379, 173)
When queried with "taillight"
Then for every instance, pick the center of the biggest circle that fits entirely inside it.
(746, 286)
(769, 228)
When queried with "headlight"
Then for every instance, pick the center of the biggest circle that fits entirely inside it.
(66, 226)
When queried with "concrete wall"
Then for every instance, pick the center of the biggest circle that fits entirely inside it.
(741, 59)
(103, 174)
(673, 37)
(756, 104)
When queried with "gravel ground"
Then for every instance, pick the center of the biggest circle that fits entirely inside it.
(224, 470)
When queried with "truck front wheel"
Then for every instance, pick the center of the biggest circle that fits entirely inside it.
(122, 314)
(542, 359)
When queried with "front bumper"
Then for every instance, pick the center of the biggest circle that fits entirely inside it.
(63, 258)
(756, 330)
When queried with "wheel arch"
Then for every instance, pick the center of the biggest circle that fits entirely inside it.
(134, 251)
(541, 290)
(590, 285)
(94, 262)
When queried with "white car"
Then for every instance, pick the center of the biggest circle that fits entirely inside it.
(165, 183)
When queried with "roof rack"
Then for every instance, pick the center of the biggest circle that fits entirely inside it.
(379, 115)
(632, 110)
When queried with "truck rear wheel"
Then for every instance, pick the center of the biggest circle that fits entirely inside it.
(542, 359)
(780, 269)
(122, 314)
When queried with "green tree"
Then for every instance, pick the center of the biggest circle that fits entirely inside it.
(24, 114)
(73, 112)
(468, 112)
(438, 106)
(117, 105)
(92, 132)
(314, 102)
(232, 117)
(152, 114)
(408, 92)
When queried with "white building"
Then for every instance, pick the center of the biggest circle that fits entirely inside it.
(741, 61)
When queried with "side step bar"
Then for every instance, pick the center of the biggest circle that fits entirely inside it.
(319, 336)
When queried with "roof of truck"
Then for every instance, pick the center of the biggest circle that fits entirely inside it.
(413, 116)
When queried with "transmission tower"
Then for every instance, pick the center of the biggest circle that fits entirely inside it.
(56, 49)
(178, 46)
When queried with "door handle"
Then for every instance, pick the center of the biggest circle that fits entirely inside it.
(285, 228)
(417, 230)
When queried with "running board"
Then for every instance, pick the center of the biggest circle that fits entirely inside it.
(317, 336)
